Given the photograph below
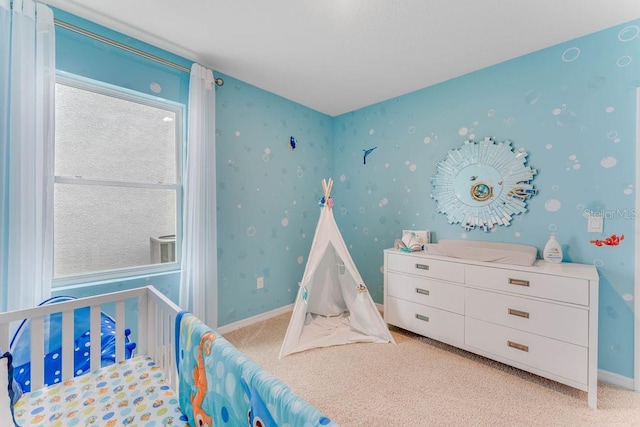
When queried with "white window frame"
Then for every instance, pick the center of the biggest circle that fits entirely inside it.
(98, 277)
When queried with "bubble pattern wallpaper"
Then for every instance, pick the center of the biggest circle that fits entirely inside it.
(272, 155)
(571, 107)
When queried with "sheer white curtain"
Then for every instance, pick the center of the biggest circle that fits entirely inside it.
(27, 89)
(198, 281)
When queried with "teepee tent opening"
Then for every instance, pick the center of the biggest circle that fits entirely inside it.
(333, 305)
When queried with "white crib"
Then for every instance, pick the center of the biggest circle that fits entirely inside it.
(215, 383)
(156, 316)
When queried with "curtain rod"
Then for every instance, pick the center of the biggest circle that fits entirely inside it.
(218, 80)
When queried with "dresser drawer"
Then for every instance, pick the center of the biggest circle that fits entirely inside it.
(559, 358)
(422, 290)
(425, 267)
(570, 324)
(548, 286)
(428, 321)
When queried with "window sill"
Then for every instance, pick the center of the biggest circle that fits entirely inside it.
(106, 278)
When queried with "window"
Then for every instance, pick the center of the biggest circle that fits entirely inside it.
(117, 182)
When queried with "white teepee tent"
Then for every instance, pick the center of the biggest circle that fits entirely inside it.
(333, 306)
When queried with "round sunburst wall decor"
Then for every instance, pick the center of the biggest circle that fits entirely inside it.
(483, 184)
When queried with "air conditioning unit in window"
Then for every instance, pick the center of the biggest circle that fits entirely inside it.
(163, 249)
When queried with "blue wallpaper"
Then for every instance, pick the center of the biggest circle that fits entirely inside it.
(572, 107)
(268, 196)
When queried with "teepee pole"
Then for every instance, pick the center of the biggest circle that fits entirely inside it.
(326, 188)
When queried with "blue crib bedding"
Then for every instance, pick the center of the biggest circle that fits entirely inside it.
(221, 386)
(21, 344)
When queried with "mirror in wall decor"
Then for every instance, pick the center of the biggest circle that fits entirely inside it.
(483, 184)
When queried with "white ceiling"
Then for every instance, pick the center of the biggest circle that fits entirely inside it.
(336, 56)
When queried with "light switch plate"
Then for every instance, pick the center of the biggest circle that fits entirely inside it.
(595, 223)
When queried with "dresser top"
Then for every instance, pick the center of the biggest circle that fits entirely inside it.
(582, 271)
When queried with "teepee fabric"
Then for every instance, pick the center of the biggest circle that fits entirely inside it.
(333, 305)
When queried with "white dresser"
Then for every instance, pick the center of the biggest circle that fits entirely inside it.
(542, 319)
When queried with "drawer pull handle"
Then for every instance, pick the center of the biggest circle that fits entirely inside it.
(518, 282)
(518, 313)
(422, 291)
(421, 317)
(422, 266)
(517, 346)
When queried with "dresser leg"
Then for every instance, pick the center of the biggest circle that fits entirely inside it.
(592, 398)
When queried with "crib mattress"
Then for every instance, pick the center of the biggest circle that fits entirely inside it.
(130, 393)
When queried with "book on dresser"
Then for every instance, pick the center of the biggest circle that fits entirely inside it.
(541, 318)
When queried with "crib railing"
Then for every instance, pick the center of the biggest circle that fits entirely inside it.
(159, 314)
(156, 323)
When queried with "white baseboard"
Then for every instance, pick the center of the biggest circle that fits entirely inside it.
(615, 379)
(254, 319)
(264, 316)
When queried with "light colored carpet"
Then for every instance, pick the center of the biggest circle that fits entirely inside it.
(421, 382)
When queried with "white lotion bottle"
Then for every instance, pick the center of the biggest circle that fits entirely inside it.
(552, 250)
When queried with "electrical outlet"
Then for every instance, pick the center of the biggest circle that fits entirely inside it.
(260, 282)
